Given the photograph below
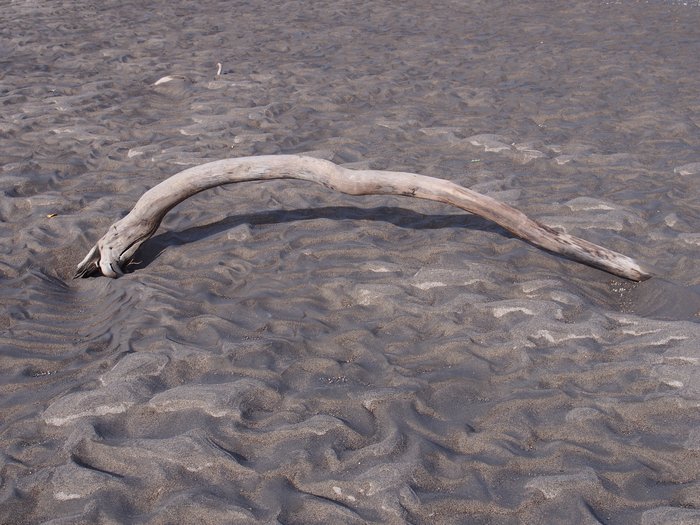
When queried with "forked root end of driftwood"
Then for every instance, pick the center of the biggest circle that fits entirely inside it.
(116, 248)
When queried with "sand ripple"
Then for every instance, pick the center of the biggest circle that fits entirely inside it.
(279, 354)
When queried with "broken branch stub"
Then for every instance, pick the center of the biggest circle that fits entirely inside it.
(124, 237)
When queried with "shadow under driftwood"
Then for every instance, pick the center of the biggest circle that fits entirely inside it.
(401, 217)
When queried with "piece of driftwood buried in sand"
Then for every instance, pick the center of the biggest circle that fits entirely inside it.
(124, 237)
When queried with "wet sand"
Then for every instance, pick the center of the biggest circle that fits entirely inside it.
(284, 354)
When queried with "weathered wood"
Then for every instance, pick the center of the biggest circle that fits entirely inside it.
(125, 236)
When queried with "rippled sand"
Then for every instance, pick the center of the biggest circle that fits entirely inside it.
(283, 354)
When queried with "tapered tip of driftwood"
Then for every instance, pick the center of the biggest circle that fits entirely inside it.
(647, 272)
(616, 264)
(638, 275)
(628, 268)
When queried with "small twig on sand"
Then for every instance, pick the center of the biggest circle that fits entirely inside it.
(125, 236)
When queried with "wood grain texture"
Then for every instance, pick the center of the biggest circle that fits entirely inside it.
(118, 245)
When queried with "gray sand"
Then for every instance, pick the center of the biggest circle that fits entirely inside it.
(283, 354)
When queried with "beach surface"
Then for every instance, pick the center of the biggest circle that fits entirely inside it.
(283, 354)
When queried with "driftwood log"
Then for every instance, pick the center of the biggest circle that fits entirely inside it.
(113, 251)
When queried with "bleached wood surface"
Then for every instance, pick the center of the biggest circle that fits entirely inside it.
(118, 245)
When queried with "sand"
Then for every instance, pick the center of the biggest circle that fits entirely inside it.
(285, 354)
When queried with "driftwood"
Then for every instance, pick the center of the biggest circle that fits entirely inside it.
(124, 237)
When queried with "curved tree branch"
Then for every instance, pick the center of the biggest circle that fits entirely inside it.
(124, 237)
